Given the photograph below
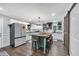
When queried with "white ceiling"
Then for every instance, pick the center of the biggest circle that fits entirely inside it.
(31, 11)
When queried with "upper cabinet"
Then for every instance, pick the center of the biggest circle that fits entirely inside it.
(57, 26)
(47, 26)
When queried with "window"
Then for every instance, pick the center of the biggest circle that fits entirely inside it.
(54, 28)
(59, 25)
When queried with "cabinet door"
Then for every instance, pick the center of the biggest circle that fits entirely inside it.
(28, 37)
(17, 30)
(20, 41)
(6, 32)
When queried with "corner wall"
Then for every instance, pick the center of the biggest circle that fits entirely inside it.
(74, 31)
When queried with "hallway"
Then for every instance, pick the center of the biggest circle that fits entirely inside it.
(57, 49)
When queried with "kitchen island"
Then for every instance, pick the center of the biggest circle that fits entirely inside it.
(43, 35)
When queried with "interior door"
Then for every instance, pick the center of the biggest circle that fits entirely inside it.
(66, 31)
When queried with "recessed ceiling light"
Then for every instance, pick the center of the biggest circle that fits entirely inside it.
(53, 14)
(1, 8)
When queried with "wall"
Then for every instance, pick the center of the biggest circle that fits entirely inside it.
(74, 31)
(1, 31)
(6, 32)
(5, 41)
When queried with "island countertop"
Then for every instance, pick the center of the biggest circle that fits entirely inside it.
(43, 34)
(38, 35)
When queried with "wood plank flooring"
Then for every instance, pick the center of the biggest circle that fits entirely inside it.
(57, 49)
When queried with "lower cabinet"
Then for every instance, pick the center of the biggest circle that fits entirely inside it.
(57, 36)
(28, 37)
(5, 40)
(41, 42)
(20, 41)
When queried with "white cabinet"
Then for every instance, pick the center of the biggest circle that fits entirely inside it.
(36, 27)
(6, 40)
(16, 37)
(57, 36)
(4, 30)
(20, 41)
(17, 29)
(28, 37)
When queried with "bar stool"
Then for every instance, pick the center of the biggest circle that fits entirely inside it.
(49, 41)
(35, 43)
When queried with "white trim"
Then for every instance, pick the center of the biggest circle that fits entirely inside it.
(68, 8)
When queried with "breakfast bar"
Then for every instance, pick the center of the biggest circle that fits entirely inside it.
(37, 36)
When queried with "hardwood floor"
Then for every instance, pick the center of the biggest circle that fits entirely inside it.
(57, 49)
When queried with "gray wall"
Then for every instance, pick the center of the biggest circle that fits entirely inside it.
(74, 31)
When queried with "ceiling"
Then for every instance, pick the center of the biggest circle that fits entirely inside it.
(30, 12)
